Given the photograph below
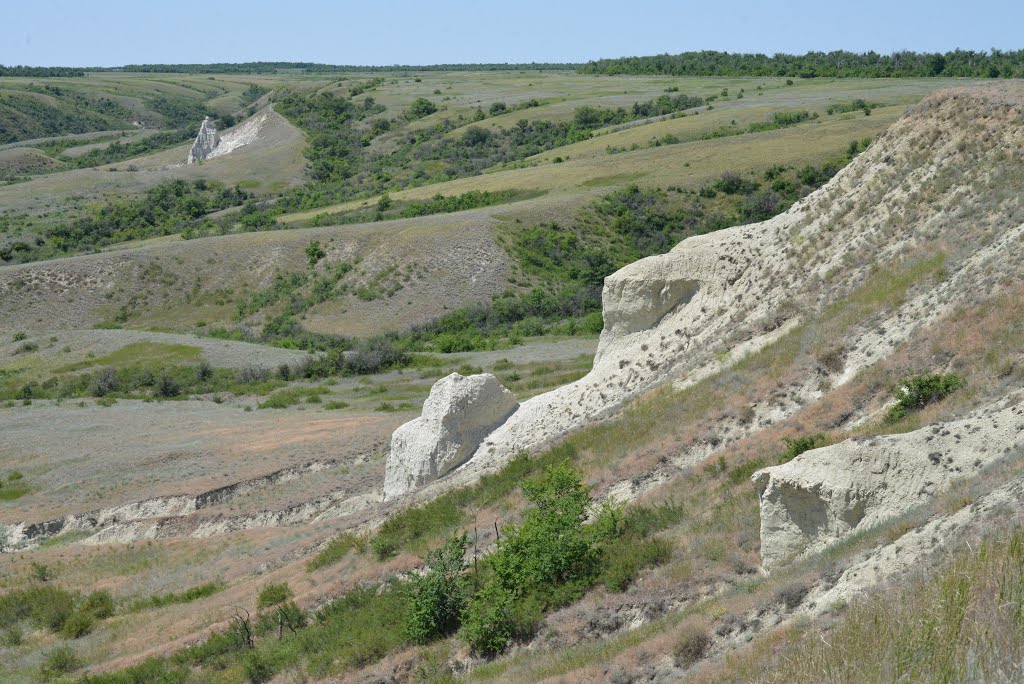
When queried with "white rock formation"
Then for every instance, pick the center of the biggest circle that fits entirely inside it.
(458, 414)
(206, 142)
(826, 494)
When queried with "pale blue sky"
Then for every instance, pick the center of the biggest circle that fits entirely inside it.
(115, 32)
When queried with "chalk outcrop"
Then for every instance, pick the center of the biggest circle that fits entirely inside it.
(824, 495)
(458, 414)
(206, 142)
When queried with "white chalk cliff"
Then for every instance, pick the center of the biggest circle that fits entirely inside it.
(206, 142)
(827, 494)
(209, 144)
(682, 316)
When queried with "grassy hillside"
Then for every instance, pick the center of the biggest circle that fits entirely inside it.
(230, 345)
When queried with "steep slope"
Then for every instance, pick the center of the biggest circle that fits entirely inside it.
(939, 184)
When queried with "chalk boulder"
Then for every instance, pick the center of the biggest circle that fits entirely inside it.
(824, 495)
(458, 414)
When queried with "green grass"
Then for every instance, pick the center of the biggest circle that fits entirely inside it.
(335, 550)
(172, 598)
(65, 538)
(140, 354)
(962, 623)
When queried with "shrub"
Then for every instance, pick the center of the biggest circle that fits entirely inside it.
(100, 604)
(792, 595)
(919, 391)
(258, 667)
(438, 597)
(252, 374)
(489, 624)
(42, 572)
(420, 108)
(742, 472)
(551, 545)
(315, 252)
(273, 594)
(729, 182)
(19, 336)
(103, 382)
(78, 624)
(798, 445)
(167, 386)
(13, 636)
(384, 547)
(693, 642)
(50, 610)
(59, 661)
(204, 371)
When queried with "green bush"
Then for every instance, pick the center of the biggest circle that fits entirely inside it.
(551, 546)
(798, 445)
(100, 604)
(78, 624)
(51, 607)
(919, 391)
(438, 597)
(273, 594)
(545, 562)
(167, 386)
(59, 661)
(489, 622)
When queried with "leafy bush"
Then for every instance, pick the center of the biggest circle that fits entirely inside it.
(315, 252)
(489, 622)
(78, 624)
(59, 661)
(438, 597)
(798, 445)
(420, 108)
(273, 594)
(919, 391)
(100, 604)
(167, 386)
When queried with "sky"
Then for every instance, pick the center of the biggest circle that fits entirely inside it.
(117, 32)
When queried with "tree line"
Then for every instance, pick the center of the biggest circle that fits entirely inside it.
(314, 67)
(838, 63)
(41, 72)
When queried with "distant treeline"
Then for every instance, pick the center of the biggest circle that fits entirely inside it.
(994, 64)
(312, 67)
(40, 72)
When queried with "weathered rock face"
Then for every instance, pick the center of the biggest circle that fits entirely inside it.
(206, 142)
(458, 414)
(826, 494)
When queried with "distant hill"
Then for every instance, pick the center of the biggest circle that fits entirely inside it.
(839, 63)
